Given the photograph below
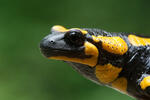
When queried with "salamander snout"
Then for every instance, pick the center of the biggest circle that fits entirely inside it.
(46, 43)
(51, 43)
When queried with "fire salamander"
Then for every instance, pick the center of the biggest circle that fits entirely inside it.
(118, 60)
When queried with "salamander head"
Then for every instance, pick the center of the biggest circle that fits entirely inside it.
(71, 45)
(96, 54)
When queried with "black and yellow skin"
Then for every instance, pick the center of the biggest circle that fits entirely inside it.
(118, 60)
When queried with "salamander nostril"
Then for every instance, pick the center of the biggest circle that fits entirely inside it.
(51, 42)
(47, 43)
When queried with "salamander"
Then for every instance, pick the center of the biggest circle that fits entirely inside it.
(117, 60)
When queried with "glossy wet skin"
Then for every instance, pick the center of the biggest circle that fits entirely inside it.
(69, 45)
(117, 60)
(62, 42)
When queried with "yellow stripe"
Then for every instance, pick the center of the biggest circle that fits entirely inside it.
(59, 28)
(90, 49)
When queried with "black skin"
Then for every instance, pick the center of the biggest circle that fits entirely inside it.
(135, 62)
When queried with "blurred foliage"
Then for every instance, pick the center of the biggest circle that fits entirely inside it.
(26, 75)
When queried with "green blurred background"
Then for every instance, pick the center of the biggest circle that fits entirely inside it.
(26, 75)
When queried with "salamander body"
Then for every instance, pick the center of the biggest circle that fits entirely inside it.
(118, 60)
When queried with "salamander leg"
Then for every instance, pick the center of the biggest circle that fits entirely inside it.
(145, 84)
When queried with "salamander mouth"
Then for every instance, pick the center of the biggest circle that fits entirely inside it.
(67, 53)
(53, 52)
(65, 45)
(48, 52)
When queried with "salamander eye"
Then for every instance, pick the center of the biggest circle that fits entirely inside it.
(75, 37)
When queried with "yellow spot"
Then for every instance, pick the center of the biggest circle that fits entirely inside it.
(120, 84)
(138, 41)
(114, 45)
(145, 82)
(107, 73)
(59, 28)
(90, 49)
